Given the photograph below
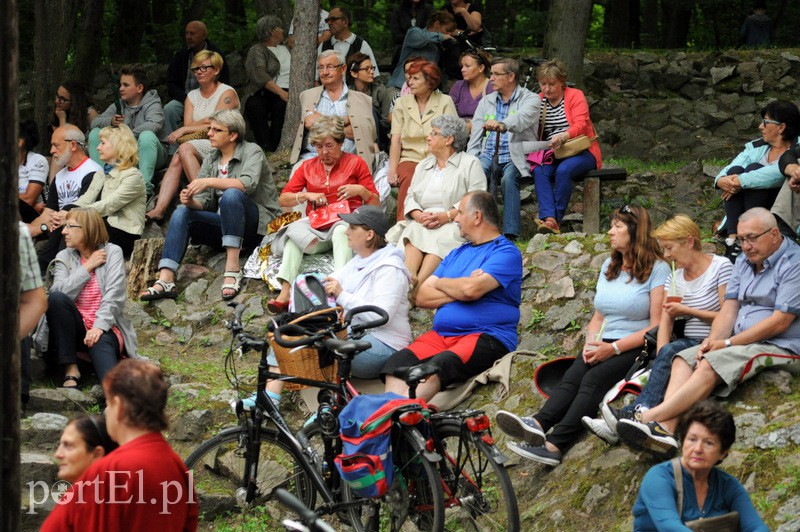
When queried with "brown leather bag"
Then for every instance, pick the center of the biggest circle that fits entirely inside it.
(728, 522)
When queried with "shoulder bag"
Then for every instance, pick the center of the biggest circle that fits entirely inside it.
(728, 522)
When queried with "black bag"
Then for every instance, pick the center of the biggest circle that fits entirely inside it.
(648, 354)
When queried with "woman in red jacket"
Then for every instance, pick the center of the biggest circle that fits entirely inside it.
(566, 116)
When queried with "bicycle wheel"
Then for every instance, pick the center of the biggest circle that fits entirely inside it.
(219, 467)
(478, 492)
(415, 500)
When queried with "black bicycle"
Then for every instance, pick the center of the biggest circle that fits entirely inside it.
(245, 464)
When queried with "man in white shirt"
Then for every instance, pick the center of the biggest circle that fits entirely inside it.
(343, 40)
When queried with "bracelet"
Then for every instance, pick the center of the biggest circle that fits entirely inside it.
(728, 342)
(617, 350)
(449, 219)
(297, 198)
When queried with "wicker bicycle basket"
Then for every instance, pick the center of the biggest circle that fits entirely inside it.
(304, 362)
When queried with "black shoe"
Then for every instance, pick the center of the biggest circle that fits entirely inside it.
(732, 251)
(538, 454)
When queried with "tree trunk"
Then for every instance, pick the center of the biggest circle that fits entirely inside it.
(9, 265)
(52, 35)
(165, 22)
(125, 38)
(565, 36)
(676, 16)
(88, 46)
(194, 12)
(649, 31)
(622, 24)
(279, 8)
(304, 53)
(144, 265)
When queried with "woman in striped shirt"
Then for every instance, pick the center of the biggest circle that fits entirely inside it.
(87, 298)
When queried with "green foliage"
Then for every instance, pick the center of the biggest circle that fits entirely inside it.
(536, 318)
(573, 326)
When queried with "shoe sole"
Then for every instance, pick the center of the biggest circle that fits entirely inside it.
(535, 457)
(639, 440)
(608, 417)
(609, 439)
(514, 427)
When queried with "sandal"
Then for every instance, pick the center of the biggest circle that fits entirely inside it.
(276, 307)
(550, 226)
(167, 292)
(71, 378)
(235, 285)
(159, 220)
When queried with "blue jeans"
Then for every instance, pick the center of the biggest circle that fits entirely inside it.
(553, 183)
(235, 223)
(509, 184)
(368, 364)
(653, 392)
(173, 118)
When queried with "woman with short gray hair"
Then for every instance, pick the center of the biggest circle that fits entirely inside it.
(267, 67)
(440, 180)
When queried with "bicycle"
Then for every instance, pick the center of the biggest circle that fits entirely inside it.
(245, 464)
(308, 520)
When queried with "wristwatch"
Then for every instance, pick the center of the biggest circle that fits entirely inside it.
(617, 350)
(44, 229)
(728, 342)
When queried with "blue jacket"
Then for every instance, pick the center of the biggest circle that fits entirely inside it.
(764, 177)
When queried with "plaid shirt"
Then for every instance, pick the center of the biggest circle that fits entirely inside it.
(500, 114)
(30, 277)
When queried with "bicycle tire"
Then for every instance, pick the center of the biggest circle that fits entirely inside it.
(219, 469)
(481, 496)
(414, 501)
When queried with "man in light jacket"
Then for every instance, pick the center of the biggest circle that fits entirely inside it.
(513, 113)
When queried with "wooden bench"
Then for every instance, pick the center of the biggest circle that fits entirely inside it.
(591, 194)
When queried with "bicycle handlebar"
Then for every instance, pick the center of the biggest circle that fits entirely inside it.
(235, 325)
(382, 319)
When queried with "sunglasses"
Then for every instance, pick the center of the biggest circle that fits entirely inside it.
(765, 121)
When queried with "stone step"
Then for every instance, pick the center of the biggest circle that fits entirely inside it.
(68, 402)
(42, 430)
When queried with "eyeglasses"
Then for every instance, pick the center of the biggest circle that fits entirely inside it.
(72, 226)
(201, 68)
(436, 134)
(333, 19)
(216, 130)
(742, 240)
(326, 68)
(61, 99)
(500, 73)
(765, 121)
(368, 69)
(79, 143)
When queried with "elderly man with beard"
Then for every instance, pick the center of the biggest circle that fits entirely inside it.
(67, 146)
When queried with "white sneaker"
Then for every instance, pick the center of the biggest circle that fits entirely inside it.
(599, 428)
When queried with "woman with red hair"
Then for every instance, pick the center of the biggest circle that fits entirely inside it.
(411, 125)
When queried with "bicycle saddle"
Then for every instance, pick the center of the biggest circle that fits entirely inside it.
(412, 375)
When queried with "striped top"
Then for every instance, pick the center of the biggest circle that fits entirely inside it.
(556, 119)
(87, 303)
(703, 293)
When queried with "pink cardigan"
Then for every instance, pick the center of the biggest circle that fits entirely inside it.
(577, 110)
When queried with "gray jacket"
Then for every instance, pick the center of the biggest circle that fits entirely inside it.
(522, 123)
(250, 166)
(70, 277)
(147, 116)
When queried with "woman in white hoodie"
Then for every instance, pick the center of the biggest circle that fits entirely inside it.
(376, 275)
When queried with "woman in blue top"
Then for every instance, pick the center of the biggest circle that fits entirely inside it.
(630, 291)
(753, 179)
(706, 433)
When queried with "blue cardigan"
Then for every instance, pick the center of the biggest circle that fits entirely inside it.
(656, 507)
(764, 177)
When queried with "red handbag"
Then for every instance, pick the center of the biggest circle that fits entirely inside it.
(323, 217)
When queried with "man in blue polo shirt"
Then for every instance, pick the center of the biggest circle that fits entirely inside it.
(756, 328)
(477, 290)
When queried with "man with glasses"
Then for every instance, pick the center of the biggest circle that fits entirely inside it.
(334, 99)
(344, 41)
(756, 328)
(512, 112)
(140, 109)
(67, 147)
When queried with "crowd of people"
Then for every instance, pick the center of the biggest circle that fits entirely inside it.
(451, 248)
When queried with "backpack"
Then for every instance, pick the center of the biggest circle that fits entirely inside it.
(308, 294)
(365, 425)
